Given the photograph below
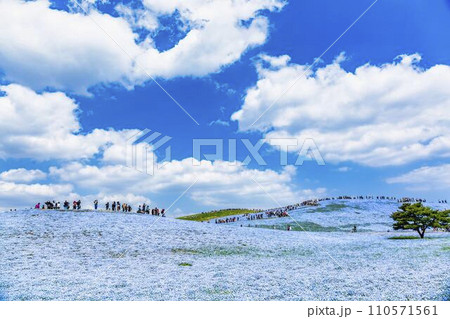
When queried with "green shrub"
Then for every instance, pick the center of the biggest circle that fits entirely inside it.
(185, 264)
(419, 218)
(404, 237)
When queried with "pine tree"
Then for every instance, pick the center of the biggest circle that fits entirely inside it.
(418, 217)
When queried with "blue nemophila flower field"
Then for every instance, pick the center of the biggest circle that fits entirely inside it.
(48, 255)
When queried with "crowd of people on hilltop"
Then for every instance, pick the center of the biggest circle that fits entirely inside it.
(145, 209)
(411, 200)
(283, 211)
(255, 216)
(76, 205)
(279, 212)
(270, 213)
(228, 220)
(346, 197)
(115, 206)
(233, 219)
(418, 200)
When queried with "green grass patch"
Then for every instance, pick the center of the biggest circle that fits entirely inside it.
(301, 226)
(185, 264)
(217, 214)
(215, 251)
(330, 208)
(217, 291)
(225, 251)
(185, 251)
(446, 248)
(404, 237)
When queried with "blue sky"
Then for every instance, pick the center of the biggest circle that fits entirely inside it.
(216, 64)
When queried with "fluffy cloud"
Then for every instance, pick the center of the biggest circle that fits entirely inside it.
(22, 175)
(44, 47)
(27, 195)
(41, 47)
(425, 178)
(377, 115)
(218, 183)
(219, 122)
(45, 126)
(220, 31)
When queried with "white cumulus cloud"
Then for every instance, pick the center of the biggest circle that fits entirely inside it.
(45, 126)
(44, 47)
(18, 195)
(425, 178)
(22, 175)
(383, 115)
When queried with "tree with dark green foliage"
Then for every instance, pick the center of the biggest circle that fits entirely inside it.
(418, 217)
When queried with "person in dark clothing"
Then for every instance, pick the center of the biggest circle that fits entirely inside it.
(95, 204)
